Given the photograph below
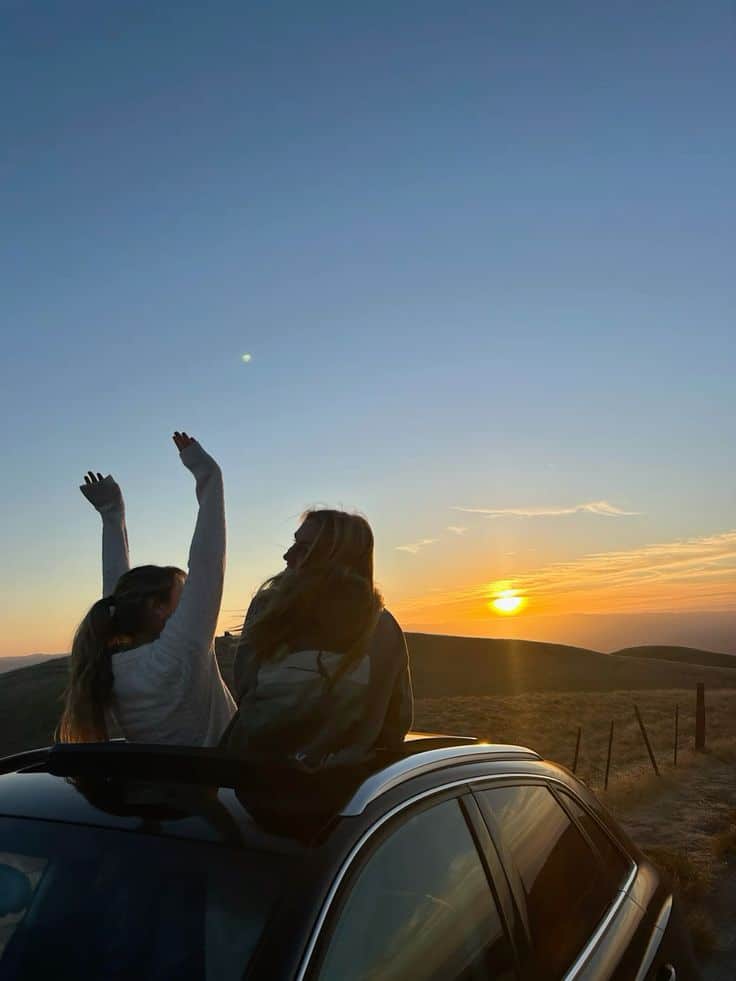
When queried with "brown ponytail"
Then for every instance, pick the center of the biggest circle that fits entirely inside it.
(90, 683)
(117, 622)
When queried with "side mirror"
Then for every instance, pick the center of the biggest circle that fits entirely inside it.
(15, 890)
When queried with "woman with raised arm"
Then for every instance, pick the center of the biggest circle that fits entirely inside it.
(322, 669)
(143, 657)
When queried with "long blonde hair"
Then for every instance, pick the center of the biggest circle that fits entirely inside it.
(112, 623)
(342, 539)
(328, 602)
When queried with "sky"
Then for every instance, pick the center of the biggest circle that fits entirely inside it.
(481, 256)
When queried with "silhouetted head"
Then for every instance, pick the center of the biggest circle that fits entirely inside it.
(331, 537)
(325, 599)
(134, 614)
(144, 599)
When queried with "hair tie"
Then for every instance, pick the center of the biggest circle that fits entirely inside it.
(111, 609)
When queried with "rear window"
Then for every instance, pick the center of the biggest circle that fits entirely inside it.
(567, 893)
(87, 903)
(617, 866)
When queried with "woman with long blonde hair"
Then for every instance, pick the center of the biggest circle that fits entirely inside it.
(142, 660)
(322, 669)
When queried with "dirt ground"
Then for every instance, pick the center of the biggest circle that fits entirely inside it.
(687, 815)
(721, 965)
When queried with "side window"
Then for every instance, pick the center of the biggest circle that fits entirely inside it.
(420, 909)
(566, 892)
(617, 866)
(20, 876)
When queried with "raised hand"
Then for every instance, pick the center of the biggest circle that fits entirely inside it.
(101, 492)
(195, 459)
(182, 440)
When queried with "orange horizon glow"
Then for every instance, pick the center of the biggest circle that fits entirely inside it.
(687, 575)
(684, 576)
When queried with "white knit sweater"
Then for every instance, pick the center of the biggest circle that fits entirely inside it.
(171, 690)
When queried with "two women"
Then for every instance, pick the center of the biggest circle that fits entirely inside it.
(321, 673)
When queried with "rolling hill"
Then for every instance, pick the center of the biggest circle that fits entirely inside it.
(683, 655)
(441, 667)
(30, 704)
(23, 661)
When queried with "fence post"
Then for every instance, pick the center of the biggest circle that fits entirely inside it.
(608, 760)
(677, 730)
(700, 717)
(577, 750)
(646, 739)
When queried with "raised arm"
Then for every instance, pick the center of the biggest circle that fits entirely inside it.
(107, 499)
(190, 630)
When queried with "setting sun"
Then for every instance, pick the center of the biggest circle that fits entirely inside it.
(507, 602)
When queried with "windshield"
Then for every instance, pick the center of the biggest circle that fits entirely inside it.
(83, 903)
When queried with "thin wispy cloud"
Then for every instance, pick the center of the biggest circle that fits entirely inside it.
(414, 547)
(686, 575)
(604, 508)
(457, 529)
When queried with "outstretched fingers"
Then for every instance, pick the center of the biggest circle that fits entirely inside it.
(182, 440)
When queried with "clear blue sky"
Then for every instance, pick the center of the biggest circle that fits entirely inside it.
(481, 253)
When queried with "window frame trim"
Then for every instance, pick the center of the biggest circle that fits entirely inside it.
(497, 876)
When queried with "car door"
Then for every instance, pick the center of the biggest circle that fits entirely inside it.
(569, 881)
(416, 904)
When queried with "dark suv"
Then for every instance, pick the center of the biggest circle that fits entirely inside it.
(449, 861)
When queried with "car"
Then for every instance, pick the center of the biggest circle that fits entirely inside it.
(449, 860)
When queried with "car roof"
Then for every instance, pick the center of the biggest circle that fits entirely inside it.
(208, 795)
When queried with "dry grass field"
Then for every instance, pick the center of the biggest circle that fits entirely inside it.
(548, 721)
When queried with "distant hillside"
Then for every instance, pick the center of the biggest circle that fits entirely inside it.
(441, 666)
(30, 704)
(467, 666)
(23, 661)
(683, 655)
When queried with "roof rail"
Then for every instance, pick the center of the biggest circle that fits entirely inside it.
(143, 761)
(119, 759)
(434, 759)
(416, 736)
(19, 761)
(210, 766)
